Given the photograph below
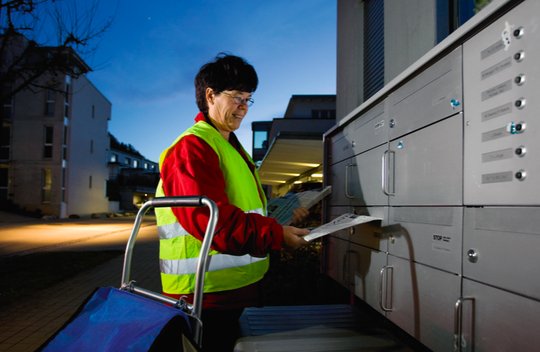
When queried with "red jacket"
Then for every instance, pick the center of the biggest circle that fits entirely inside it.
(192, 168)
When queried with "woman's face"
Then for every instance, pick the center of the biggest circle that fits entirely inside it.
(227, 109)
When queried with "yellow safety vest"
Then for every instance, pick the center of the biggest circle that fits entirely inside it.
(179, 251)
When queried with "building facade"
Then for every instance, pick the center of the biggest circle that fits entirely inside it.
(132, 178)
(54, 132)
(54, 147)
(289, 150)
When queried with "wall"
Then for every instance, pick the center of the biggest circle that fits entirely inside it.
(83, 161)
(27, 162)
(350, 56)
(409, 32)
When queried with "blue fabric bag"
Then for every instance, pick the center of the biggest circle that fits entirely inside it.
(116, 320)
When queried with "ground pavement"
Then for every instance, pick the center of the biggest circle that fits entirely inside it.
(25, 325)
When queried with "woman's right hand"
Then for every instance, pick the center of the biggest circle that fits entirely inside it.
(292, 237)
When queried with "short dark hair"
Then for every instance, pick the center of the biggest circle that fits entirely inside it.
(225, 72)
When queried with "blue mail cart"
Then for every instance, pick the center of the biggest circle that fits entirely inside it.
(131, 318)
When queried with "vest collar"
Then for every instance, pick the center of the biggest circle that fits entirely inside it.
(232, 137)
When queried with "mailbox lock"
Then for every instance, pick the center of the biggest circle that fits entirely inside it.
(519, 56)
(516, 127)
(392, 123)
(519, 32)
(520, 103)
(520, 151)
(521, 175)
(520, 79)
(473, 255)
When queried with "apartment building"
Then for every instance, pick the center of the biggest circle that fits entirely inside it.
(54, 143)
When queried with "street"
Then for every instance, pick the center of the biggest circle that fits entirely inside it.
(27, 322)
(35, 235)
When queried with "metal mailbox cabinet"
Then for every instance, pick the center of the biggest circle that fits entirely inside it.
(366, 265)
(497, 320)
(340, 148)
(342, 191)
(427, 165)
(432, 95)
(364, 178)
(501, 87)
(422, 302)
(371, 234)
(501, 236)
(358, 179)
(335, 250)
(448, 154)
(428, 235)
(492, 236)
(356, 154)
(365, 132)
(370, 130)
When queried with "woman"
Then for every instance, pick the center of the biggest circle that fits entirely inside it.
(207, 159)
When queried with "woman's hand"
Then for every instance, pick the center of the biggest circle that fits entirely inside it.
(292, 237)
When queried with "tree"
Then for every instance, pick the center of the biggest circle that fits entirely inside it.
(27, 53)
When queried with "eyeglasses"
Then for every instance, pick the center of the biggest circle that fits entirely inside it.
(239, 100)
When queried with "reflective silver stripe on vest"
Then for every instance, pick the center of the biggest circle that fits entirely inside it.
(217, 262)
(169, 231)
(258, 211)
(173, 230)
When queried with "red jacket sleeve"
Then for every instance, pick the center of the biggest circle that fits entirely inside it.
(192, 168)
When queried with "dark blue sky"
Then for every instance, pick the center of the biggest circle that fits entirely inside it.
(145, 63)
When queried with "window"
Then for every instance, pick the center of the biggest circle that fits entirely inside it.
(63, 184)
(323, 114)
(48, 142)
(64, 144)
(5, 142)
(46, 185)
(7, 102)
(114, 158)
(260, 139)
(50, 102)
(373, 47)
(4, 180)
(453, 13)
(66, 96)
(136, 164)
(128, 161)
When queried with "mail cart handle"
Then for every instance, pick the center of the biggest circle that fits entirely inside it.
(202, 264)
